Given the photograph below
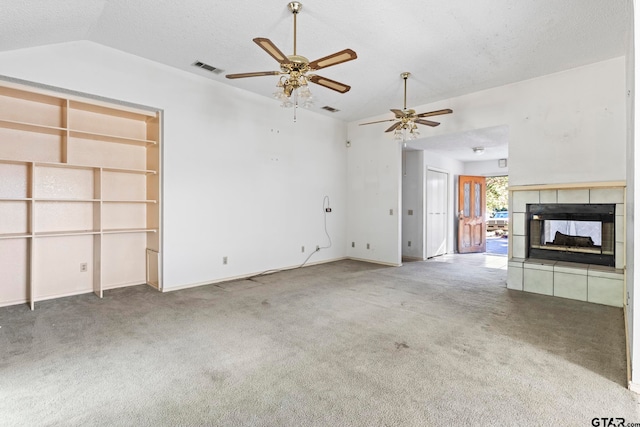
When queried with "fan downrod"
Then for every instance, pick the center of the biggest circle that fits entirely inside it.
(405, 76)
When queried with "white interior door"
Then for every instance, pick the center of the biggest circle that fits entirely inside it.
(437, 213)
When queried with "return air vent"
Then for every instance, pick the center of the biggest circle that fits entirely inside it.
(207, 67)
(330, 109)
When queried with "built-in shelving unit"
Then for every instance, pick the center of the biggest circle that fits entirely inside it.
(79, 195)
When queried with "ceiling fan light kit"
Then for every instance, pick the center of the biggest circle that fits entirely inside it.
(406, 125)
(295, 70)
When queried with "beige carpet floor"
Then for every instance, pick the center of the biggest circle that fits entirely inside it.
(342, 344)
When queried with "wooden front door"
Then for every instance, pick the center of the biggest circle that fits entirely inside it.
(471, 214)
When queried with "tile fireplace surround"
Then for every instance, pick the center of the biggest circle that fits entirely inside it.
(585, 282)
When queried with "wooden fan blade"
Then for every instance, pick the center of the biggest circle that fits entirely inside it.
(435, 113)
(398, 113)
(272, 50)
(256, 74)
(379, 121)
(333, 59)
(393, 126)
(426, 122)
(331, 84)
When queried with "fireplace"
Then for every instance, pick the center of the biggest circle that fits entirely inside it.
(574, 232)
(587, 260)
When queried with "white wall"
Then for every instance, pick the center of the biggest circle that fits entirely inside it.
(374, 194)
(413, 198)
(240, 178)
(633, 194)
(563, 128)
(485, 168)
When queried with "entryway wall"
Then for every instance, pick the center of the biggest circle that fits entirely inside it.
(415, 165)
(486, 168)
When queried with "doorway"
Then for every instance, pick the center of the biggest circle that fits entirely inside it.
(497, 198)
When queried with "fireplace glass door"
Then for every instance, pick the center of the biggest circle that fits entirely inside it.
(583, 233)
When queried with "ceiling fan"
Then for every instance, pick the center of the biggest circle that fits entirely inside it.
(407, 119)
(294, 68)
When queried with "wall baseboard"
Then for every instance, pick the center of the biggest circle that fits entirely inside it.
(293, 267)
(371, 261)
(245, 276)
(626, 339)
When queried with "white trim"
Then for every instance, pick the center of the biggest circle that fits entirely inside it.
(124, 285)
(576, 185)
(412, 258)
(390, 264)
(65, 295)
(245, 276)
(634, 387)
(626, 330)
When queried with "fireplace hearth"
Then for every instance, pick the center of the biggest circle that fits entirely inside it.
(582, 233)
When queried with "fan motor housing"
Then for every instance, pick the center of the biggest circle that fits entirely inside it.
(298, 63)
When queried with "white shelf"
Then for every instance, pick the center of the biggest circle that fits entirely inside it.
(130, 201)
(66, 233)
(85, 165)
(31, 127)
(79, 166)
(63, 165)
(39, 199)
(14, 236)
(60, 131)
(123, 170)
(129, 230)
(110, 138)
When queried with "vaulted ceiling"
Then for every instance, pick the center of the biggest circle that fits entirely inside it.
(451, 48)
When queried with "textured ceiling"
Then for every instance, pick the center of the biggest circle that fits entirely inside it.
(494, 140)
(451, 48)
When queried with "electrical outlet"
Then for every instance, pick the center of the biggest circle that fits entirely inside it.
(303, 249)
(409, 243)
(327, 209)
(317, 248)
(83, 267)
(224, 260)
(390, 211)
(353, 244)
(368, 247)
(410, 211)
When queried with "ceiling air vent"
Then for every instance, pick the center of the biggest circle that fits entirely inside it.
(207, 67)
(330, 109)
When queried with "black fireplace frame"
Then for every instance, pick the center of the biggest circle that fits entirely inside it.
(604, 213)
